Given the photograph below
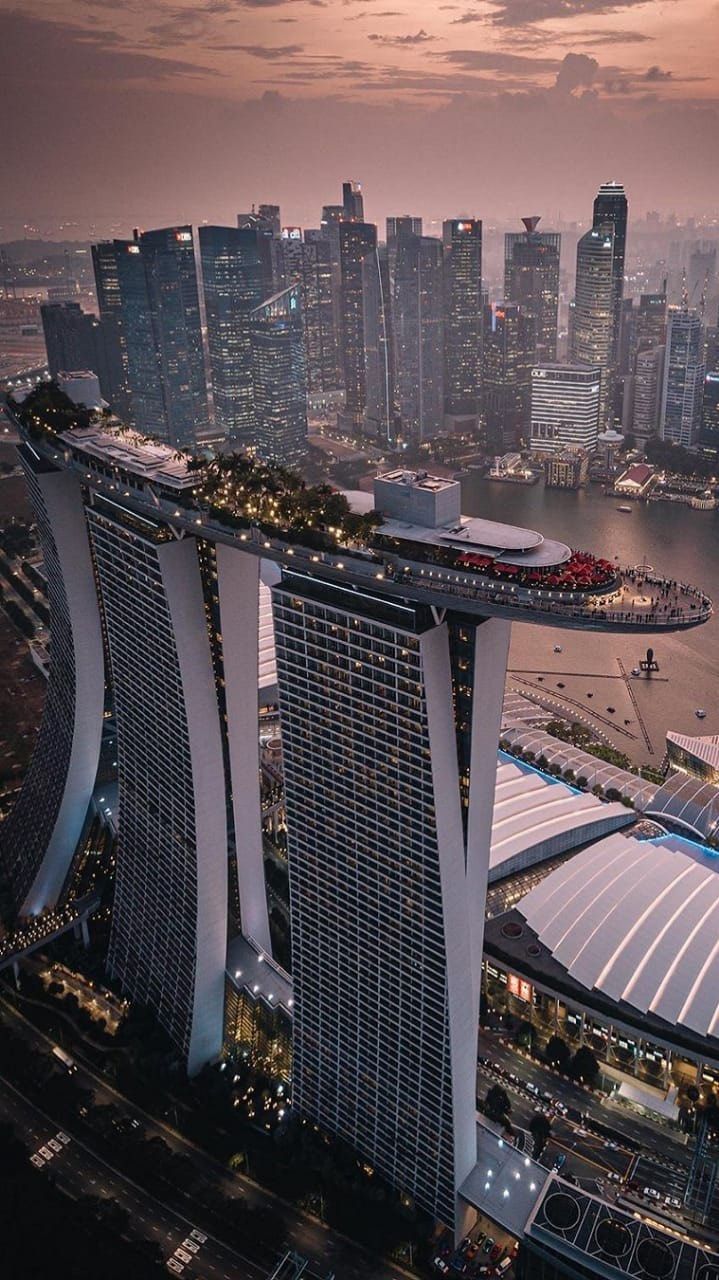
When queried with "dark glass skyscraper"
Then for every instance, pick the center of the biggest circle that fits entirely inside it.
(531, 279)
(357, 240)
(308, 263)
(593, 323)
(149, 284)
(279, 378)
(418, 333)
(109, 302)
(237, 276)
(610, 206)
(462, 240)
(508, 356)
(352, 202)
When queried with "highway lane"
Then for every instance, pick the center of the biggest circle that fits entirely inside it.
(328, 1251)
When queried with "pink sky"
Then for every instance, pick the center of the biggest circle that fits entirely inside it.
(153, 109)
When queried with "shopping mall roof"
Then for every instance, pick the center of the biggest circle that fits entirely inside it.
(703, 748)
(687, 802)
(637, 920)
(582, 763)
(536, 817)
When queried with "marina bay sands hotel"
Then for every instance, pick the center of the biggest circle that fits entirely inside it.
(392, 634)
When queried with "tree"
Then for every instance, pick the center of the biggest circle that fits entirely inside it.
(585, 1067)
(497, 1104)
(524, 1035)
(558, 1053)
(540, 1128)
(613, 794)
(582, 781)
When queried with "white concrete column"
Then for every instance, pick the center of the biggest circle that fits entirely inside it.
(238, 583)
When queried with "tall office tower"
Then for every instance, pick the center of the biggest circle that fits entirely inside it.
(508, 356)
(149, 285)
(378, 336)
(627, 338)
(279, 378)
(710, 410)
(403, 222)
(352, 202)
(169, 922)
(266, 218)
(308, 263)
(387, 721)
(332, 215)
(417, 312)
(594, 311)
(647, 392)
(701, 275)
(109, 303)
(357, 241)
(531, 279)
(236, 275)
(39, 838)
(74, 339)
(610, 206)
(651, 321)
(565, 407)
(462, 243)
(683, 381)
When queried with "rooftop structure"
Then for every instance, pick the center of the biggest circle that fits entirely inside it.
(688, 803)
(418, 498)
(252, 969)
(133, 453)
(696, 755)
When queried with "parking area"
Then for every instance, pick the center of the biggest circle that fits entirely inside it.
(486, 1251)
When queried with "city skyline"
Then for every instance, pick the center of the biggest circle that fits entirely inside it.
(214, 89)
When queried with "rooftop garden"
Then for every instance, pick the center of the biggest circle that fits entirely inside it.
(240, 487)
(46, 410)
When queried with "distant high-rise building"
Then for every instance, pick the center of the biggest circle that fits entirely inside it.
(149, 285)
(265, 218)
(236, 275)
(402, 222)
(565, 407)
(379, 359)
(279, 378)
(462, 242)
(683, 382)
(507, 359)
(531, 279)
(352, 202)
(594, 311)
(647, 392)
(308, 262)
(357, 240)
(710, 410)
(610, 206)
(74, 339)
(702, 274)
(650, 327)
(109, 301)
(418, 335)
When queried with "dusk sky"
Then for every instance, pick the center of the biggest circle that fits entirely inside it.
(142, 111)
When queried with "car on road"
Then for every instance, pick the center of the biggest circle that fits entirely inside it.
(46, 1153)
(488, 1245)
(651, 1193)
(175, 1266)
(441, 1265)
(504, 1265)
(54, 1144)
(64, 1138)
(559, 1106)
(673, 1201)
(183, 1255)
(199, 1236)
(37, 1161)
(533, 1088)
(192, 1245)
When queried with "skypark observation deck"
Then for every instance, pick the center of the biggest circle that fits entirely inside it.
(477, 566)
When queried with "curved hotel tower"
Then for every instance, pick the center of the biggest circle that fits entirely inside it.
(392, 636)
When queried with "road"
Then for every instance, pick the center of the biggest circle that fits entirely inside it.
(327, 1250)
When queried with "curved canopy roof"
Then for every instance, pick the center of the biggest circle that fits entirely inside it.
(639, 921)
(688, 802)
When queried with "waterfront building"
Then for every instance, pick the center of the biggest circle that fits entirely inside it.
(646, 393)
(710, 410)
(567, 469)
(418, 335)
(279, 378)
(610, 206)
(462, 241)
(236, 276)
(531, 279)
(507, 358)
(683, 381)
(594, 312)
(565, 406)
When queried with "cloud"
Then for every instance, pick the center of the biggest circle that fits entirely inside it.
(577, 71)
(596, 37)
(523, 13)
(655, 74)
(472, 16)
(421, 37)
(269, 53)
(497, 60)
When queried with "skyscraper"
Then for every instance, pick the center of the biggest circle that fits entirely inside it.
(531, 279)
(378, 336)
(508, 356)
(683, 382)
(402, 222)
(462, 241)
(236, 275)
(647, 392)
(352, 202)
(610, 206)
(595, 311)
(418, 335)
(565, 407)
(651, 321)
(308, 263)
(357, 241)
(149, 287)
(74, 339)
(109, 302)
(279, 378)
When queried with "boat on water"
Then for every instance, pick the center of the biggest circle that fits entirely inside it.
(700, 713)
(625, 509)
(557, 648)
